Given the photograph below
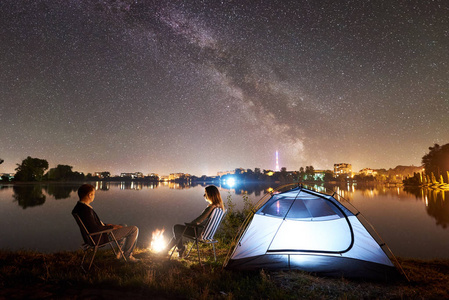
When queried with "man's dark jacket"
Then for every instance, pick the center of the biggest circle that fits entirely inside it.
(91, 221)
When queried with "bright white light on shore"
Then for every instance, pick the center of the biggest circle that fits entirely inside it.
(230, 182)
(157, 241)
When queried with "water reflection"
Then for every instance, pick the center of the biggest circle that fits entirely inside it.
(348, 191)
(4, 187)
(258, 189)
(435, 201)
(60, 191)
(436, 204)
(28, 195)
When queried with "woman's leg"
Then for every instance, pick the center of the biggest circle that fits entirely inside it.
(176, 240)
(178, 230)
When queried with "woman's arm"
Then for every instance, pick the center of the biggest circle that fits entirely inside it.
(204, 215)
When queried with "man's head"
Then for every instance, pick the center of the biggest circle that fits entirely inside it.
(86, 191)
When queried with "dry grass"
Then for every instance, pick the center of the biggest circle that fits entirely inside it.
(31, 275)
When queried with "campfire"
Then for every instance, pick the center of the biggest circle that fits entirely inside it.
(157, 241)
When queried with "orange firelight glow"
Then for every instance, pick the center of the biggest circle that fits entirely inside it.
(157, 241)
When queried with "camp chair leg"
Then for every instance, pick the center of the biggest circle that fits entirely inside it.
(215, 256)
(86, 251)
(82, 260)
(92, 260)
(188, 253)
(198, 248)
(174, 247)
(172, 251)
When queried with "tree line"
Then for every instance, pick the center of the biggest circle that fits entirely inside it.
(436, 168)
(34, 169)
(435, 164)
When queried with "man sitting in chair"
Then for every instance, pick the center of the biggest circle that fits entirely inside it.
(86, 194)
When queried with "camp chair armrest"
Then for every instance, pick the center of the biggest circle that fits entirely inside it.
(194, 225)
(101, 232)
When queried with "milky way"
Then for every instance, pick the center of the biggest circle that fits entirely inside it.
(206, 86)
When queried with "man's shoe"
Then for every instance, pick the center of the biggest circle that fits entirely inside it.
(132, 259)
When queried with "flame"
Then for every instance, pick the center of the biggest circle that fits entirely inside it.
(157, 240)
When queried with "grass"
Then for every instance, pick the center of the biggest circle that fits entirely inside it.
(33, 275)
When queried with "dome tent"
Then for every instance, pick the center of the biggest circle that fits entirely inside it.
(311, 231)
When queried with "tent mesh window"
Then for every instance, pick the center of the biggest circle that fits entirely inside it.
(302, 209)
(321, 208)
(278, 208)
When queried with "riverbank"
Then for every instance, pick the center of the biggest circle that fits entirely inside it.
(32, 275)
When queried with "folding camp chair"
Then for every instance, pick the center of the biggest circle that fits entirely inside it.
(205, 234)
(91, 245)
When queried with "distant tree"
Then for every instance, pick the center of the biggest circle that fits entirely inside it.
(302, 174)
(413, 181)
(31, 169)
(4, 177)
(61, 172)
(257, 170)
(437, 160)
(362, 178)
(341, 178)
(77, 176)
(328, 176)
(310, 172)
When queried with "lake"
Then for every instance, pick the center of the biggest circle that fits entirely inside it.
(413, 223)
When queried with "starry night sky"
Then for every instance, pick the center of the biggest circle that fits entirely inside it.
(206, 86)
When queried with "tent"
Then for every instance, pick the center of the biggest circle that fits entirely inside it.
(311, 231)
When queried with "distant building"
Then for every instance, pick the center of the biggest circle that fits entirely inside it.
(103, 174)
(164, 178)
(132, 175)
(368, 172)
(223, 173)
(8, 175)
(319, 174)
(240, 171)
(342, 169)
(176, 176)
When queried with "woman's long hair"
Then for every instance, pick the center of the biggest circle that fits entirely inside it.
(213, 195)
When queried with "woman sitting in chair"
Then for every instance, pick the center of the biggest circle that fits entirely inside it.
(213, 197)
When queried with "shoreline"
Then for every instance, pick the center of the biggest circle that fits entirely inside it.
(27, 274)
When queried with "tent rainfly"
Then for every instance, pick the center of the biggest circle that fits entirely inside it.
(311, 231)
